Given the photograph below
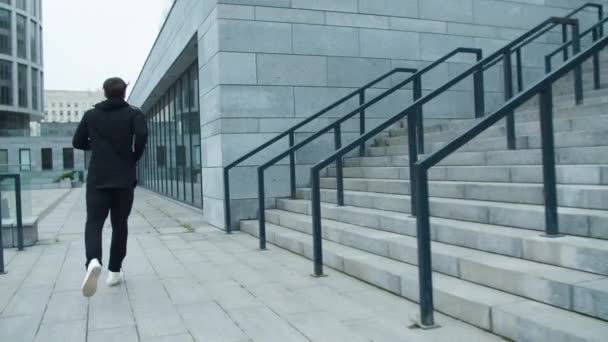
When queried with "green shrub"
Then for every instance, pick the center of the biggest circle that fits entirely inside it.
(68, 175)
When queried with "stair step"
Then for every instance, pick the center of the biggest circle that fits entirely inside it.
(565, 174)
(503, 240)
(593, 106)
(499, 143)
(574, 196)
(532, 128)
(574, 221)
(472, 303)
(564, 155)
(545, 283)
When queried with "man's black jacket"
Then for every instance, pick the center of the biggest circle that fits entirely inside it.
(116, 133)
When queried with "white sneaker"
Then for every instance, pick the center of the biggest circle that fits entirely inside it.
(89, 285)
(114, 278)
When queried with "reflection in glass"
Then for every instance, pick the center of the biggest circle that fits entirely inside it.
(172, 163)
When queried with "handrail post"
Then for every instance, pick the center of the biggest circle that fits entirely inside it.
(412, 156)
(418, 113)
(548, 151)
(578, 70)
(317, 239)
(596, 63)
(508, 85)
(600, 14)
(1, 242)
(19, 212)
(362, 121)
(478, 81)
(565, 40)
(548, 66)
(520, 74)
(292, 166)
(423, 233)
(339, 176)
(227, 222)
(262, 209)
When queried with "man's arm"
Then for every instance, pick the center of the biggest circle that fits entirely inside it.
(81, 139)
(140, 131)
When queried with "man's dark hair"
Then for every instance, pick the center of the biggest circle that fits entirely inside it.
(115, 88)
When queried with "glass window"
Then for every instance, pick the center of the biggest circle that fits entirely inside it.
(34, 6)
(22, 84)
(21, 36)
(6, 83)
(34, 88)
(172, 165)
(75, 105)
(161, 156)
(68, 158)
(3, 160)
(21, 4)
(34, 41)
(47, 159)
(5, 31)
(25, 160)
(69, 105)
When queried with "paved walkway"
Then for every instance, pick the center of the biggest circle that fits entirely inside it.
(186, 281)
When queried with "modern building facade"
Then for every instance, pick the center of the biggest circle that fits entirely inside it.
(64, 106)
(21, 66)
(224, 76)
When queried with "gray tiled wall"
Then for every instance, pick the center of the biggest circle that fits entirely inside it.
(266, 64)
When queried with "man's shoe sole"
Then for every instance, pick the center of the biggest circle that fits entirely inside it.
(89, 287)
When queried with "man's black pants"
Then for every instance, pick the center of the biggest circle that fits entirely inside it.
(100, 202)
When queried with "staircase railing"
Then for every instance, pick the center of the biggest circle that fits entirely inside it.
(544, 89)
(335, 126)
(290, 133)
(597, 31)
(479, 103)
(411, 113)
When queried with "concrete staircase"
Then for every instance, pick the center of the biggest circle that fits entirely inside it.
(492, 268)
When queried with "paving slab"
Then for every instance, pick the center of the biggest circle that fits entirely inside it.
(194, 286)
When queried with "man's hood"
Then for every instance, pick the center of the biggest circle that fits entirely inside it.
(111, 104)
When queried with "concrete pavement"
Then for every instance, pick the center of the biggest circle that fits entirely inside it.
(188, 281)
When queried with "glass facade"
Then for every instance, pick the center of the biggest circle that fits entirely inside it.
(21, 36)
(172, 162)
(5, 31)
(22, 84)
(6, 83)
(21, 4)
(34, 88)
(34, 41)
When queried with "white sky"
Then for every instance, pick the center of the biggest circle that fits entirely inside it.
(87, 41)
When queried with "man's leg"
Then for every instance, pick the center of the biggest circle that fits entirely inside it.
(122, 202)
(98, 205)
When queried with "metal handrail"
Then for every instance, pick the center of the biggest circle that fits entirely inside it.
(411, 113)
(542, 87)
(597, 31)
(291, 133)
(336, 127)
(19, 213)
